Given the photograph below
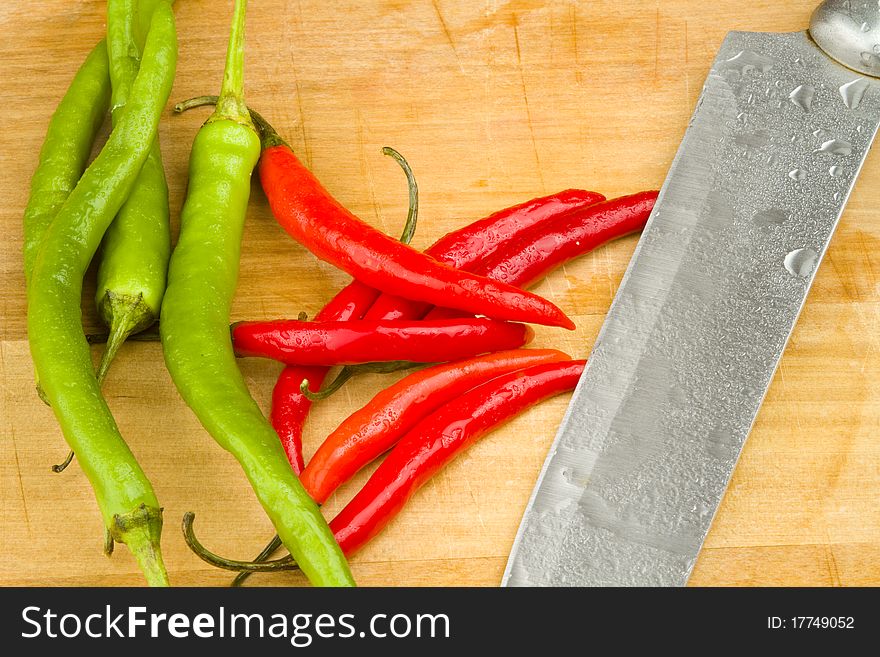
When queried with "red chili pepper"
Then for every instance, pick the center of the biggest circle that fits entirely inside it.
(461, 249)
(371, 431)
(363, 341)
(534, 254)
(319, 222)
(289, 406)
(438, 438)
(468, 246)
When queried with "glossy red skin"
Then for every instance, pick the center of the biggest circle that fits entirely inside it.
(438, 439)
(364, 341)
(289, 406)
(467, 246)
(461, 249)
(374, 429)
(320, 223)
(534, 254)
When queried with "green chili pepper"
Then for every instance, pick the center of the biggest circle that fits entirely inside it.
(136, 247)
(64, 154)
(60, 352)
(195, 322)
(66, 148)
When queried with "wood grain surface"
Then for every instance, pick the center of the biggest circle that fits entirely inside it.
(493, 103)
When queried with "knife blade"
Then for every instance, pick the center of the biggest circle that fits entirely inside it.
(703, 313)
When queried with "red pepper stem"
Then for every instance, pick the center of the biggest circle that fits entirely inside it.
(284, 563)
(349, 371)
(344, 375)
(412, 214)
(269, 137)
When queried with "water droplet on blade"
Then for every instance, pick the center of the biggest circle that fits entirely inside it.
(835, 147)
(836, 171)
(771, 217)
(870, 59)
(853, 92)
(746, 61)
(797, 174)
(803, 96)
(866, 27)
(801, 262)
(755, 139)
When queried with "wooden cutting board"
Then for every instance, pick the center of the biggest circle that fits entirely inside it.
(493, 103)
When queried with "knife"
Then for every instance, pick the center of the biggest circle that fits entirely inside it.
(704, 311)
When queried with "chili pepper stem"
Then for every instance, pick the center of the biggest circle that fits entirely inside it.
(268, 135)
(140, 531)
(284, 563)
(151, 335)
(127, 315)
(61, 467)
(270, 549)
(230, 104)
(197, 101)
(41, 393)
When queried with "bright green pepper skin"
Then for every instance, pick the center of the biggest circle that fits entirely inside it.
(59, 349)
(198, 348)
(66, 148)
(195, 334)
(134, 255)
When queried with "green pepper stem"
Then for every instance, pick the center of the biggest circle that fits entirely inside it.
(269, 137)
(140, 531)
(284, 563)
(197, 101)
(231, 103)
(61, 467)
(127, 314)
(150, 335)
(263, 556)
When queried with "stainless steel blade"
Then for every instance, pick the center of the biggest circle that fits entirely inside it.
(682, 363)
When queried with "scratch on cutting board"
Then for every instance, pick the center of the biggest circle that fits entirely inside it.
(797, 408)
(833, 571)
(565, 277)
(476, 505)
(657, 45)
(687, 72)
(573, 16)
(288, 38)
(609, 274)
(522, 79)
(447, 33)
(27, 517)
(865, 252)
(366, 170)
